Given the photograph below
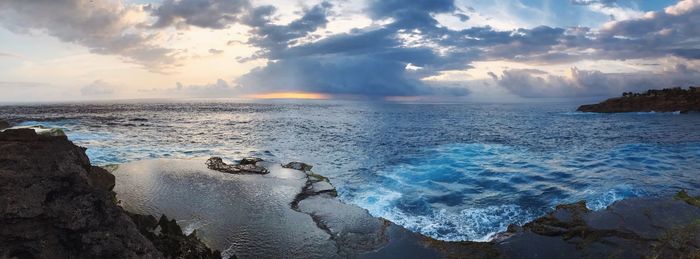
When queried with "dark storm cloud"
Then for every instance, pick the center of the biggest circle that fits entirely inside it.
(369, 62)
(409, 14)
(215, 14)
(99, 25)
(531, 83)
(272, 38)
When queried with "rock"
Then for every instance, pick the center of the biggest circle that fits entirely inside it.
(683, 195)
(298, 166)
(250, 161)
(322, 186)
(217, 164)
(167, 236)
(666, 100)
(4, 125)
(101, 178)
(44, 131)
(54, 204)
(632, 228)
(49, 209)
(252, 169)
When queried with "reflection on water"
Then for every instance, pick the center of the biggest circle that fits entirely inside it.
(248, 214)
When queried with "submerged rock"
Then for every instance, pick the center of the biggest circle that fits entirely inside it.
(250, 161)
(246, 166)
(54, 204)
(666, 100)
(298, 166)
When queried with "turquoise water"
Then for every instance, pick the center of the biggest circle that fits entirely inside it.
(451, 171)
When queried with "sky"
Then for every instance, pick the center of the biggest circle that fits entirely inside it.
(419, 50)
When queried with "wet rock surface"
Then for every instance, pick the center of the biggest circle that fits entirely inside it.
(632, 228)
(54, 204)
(246, 166)
(666, 100)
(298, 166)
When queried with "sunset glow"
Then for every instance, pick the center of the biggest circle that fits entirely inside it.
(291, 95)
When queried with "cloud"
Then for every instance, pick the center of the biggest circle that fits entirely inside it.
(410, 14)
(273, 38)
(404, 45)
(219, 89)
(19, 84)
(98, 88)
(213, 14)
(103, 26)
(215, 51)
(531, 83)
(672, 31)
(369, 62)
(592, 2)
(8, 55)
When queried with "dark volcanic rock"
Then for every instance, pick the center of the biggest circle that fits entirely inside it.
(666, 100)
(50, 210)
(633, 228)
(54, 204)
(101, 178)
(167, 236)
(4, 125)
(298, 166)
(250, 161)
(247, 166)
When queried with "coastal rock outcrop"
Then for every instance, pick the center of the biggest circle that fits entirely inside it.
(54, 204)
(246, 166)
(4, 125)
(167, 236)
(666, 100)
(298, 166)
(631, 228)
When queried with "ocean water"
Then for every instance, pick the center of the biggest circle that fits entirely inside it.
(450, 171)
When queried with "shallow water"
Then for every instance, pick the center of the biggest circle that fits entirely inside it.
(248, 214)
(451, 171)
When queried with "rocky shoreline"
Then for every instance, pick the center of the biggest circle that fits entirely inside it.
(666, 100)
(55, 204)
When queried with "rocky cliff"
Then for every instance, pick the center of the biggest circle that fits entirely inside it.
(666, 100)
(54, 204)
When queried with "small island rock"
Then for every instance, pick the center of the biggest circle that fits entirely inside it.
(666, 100)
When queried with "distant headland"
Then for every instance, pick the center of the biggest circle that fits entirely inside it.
(666, 100)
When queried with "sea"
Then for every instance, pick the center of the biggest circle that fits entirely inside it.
(452, 171)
